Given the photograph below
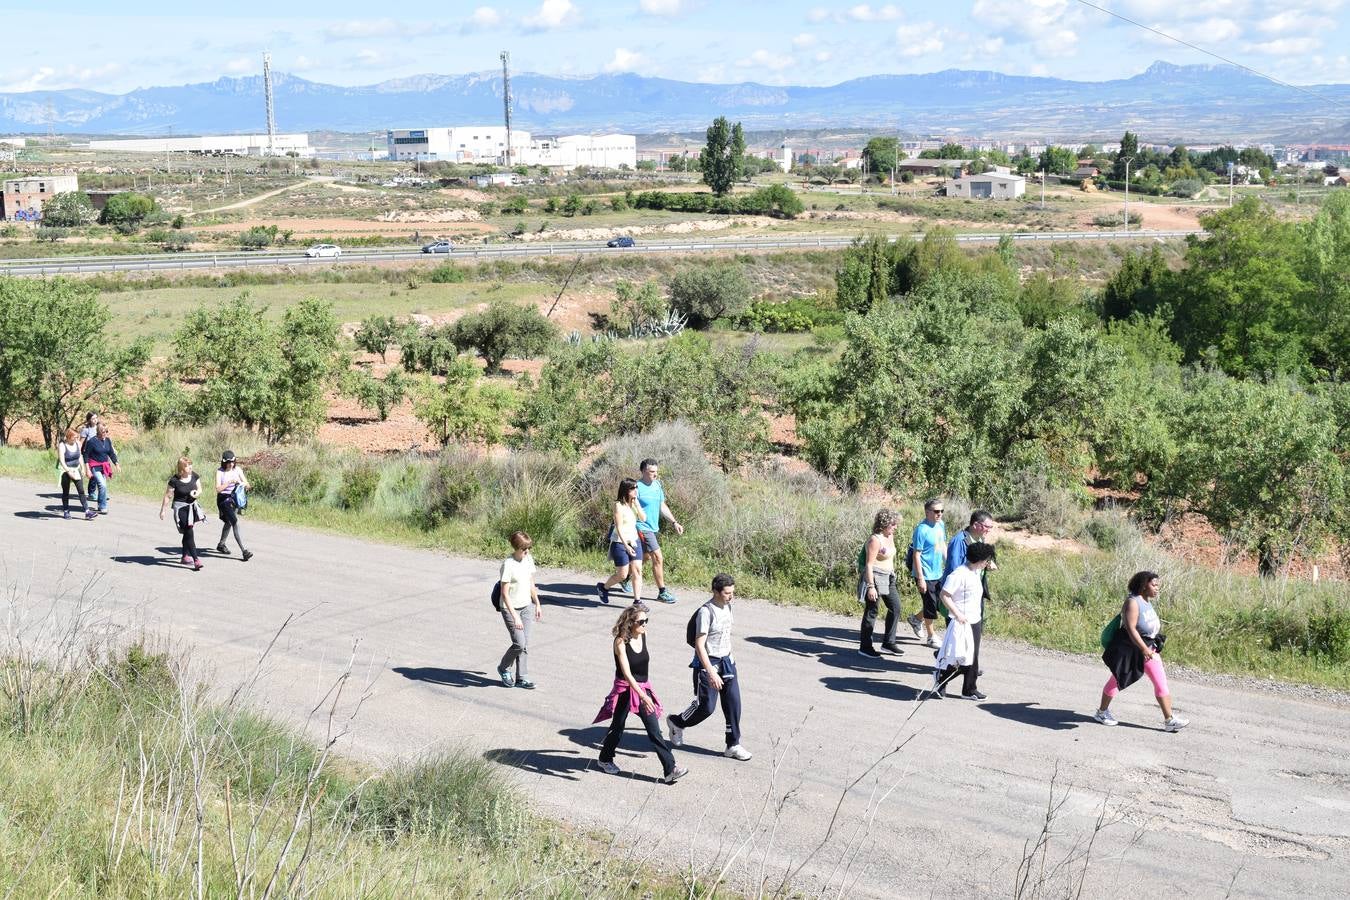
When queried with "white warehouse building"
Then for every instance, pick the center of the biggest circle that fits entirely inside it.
(213, 145)
(999, 185)
(486, 144)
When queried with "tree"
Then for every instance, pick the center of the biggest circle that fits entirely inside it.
(127, 210)
(309, 341)
(377, 334)
(56, 359)
(572, 205)
(70, 209)
(517, 205)
(378, 394)
(1140, 285)
(1323, 264)
(721, 158)
(703, 294)
(863, 278)
(636, 307)
(504, 330)
(464, 407)
(1057, 161)
(646, 165)
(1129, 151)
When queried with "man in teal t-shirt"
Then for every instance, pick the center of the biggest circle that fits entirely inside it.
(929, 544)
(652, 497)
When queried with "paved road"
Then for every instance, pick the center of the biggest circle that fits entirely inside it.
(1255, 796)
(75, 265)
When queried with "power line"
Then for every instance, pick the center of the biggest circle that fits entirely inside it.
(1225, 59)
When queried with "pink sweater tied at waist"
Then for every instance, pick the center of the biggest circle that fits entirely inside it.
(611, 704)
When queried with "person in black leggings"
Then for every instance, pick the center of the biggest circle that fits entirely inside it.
(72, 466)
(228, 477)
(633, 693)
(183, 490)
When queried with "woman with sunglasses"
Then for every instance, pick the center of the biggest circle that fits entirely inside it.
(633, 693)
(230, 477)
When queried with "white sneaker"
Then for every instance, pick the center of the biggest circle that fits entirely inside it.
(1106, 717)
(1175, 723)
(931, 642)
(608, 767)
(676, 732)
(736, 751)
(678, 773)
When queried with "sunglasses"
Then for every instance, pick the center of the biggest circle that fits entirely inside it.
(938, 511)
(642, 621)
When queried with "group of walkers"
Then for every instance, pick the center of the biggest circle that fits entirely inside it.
(88, 455)
(950, 576)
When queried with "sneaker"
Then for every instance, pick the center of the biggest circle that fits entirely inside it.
(1106, 717)
(624, 587)
(869, 652)
(91, 514)
(892, 647)
(507, 678)
(102, 512)
(931, 641)
(65, 514)
(676, 732)
(221, 548)
(736, 751)
(187, 560)
(1175, 723)
(675, 775)
(977, 695)
(665, 596)
(939, 689)
(197, 565)
(607, 767)
(915, 624)
(525, 683)
(248, 554)
(603, 592)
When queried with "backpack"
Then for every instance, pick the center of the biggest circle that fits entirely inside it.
(691, 630)
(240, 497)
(862, 558)
(1109, 632)
(909, 560)
(497, 596)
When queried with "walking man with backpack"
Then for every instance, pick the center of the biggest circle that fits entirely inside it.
(652, 498)
(709, 633)
(927, 550)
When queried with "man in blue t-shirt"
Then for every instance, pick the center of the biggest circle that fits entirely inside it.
(977, 532)
(652, 497)
(929, 546)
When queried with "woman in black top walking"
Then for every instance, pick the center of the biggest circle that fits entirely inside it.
(633, 692)
(183, 490)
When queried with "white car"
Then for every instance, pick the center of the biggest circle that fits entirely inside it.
(319, 251)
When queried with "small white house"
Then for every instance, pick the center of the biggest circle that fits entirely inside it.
(989, 186)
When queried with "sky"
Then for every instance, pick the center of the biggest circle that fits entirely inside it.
(808, 42)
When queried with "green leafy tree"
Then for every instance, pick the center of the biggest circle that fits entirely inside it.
(1324, 247)
(1129, 150)
(70, 209)
(377, 334)
(1141, 285)
(636, 307)
(128, 210)
(863, 278)
(572, 205)
(464, 407)
(258, 237)
(504, 330)
(646, 165)
(431, 351)
(378, 394)
(779, 201)
(1057, 161)
(704, 293)
(309, 341)
(1259, 460)
(516, 206)
(722, 156)
(564, 412)
(56, 358)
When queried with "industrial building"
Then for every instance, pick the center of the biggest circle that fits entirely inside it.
(23, 198)
(486, 144)
(997, 185)
(213, 145)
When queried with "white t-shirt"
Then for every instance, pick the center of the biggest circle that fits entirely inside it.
(715, 622)
(518, 578)
(226, 479)
(966, 590)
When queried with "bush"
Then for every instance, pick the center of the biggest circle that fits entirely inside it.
(546, 509)
(357, 485)
(162, 404)
(704, 293)
(1187, 187)
(70, 209)
(1111, 220)
(795, 315)
(695, 488)
(258, 237)
(503, 330)
(455, 482)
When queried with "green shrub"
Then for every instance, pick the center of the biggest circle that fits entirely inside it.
(357, 485)
(454, 483)
(162, 404)
(545, 509)
(794, 315)
(447, 273)
(695, 488)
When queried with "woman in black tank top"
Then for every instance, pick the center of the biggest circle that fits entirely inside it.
(632, 692)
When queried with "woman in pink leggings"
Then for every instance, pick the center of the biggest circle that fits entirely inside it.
(1136, 651)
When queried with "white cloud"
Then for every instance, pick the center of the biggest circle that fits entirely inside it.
(805, 39)
(1048, 26)
(763, 59)
(1206, 32)
(303, 63)
(1172, 11)
(483, 17)
(863, 12)
(1294, 22)
(242, 65)
(663, 7)
(623, 61)
(992, 46)
(823, 56)
(51, 78)
(360, 29)
(920, 39)
(552, 15)
(1298, 46)
(818, 14)
(369, 57)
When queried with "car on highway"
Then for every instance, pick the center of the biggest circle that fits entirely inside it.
(321, 251)
(438, 247)
(624, 241)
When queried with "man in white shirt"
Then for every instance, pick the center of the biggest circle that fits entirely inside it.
(963, 596)
(517, 593)
(714, 671)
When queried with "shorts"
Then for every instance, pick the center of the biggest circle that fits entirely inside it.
(648, 543)
(618, 552)
(930, 599)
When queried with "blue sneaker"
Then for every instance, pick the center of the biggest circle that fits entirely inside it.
(624, 587)
(507, 678)
(665, 596)
(602, 591)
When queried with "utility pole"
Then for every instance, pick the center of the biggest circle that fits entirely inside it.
(271, 113)
(1128, 160)
(506, 101)
(1230, 184)
(895, 161)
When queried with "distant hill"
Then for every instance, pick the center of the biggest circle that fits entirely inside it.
(1165, 102)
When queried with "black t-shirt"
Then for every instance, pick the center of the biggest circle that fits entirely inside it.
(637, 662)
(182, 490)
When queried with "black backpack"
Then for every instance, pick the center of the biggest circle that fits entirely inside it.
(497, 596)
(691, 630)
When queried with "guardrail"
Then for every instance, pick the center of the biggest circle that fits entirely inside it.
(240, 259)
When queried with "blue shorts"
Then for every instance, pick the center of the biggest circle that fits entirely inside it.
(648, 543)
(618, 552)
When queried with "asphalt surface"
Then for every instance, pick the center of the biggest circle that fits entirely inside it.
(1252, 800)
(73, 265)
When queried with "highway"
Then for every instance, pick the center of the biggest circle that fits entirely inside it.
(235, 259)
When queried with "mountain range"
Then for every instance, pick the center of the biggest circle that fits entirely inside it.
(1166, 102)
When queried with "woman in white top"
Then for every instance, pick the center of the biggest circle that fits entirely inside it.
(70, 463)
(228, 477)
(625, 549)
(962, 594)
(516, 583)
(876, 583)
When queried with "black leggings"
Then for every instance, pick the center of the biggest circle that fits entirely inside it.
(653, 726)
(66, 482)
(229, 521)
(184, 515)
